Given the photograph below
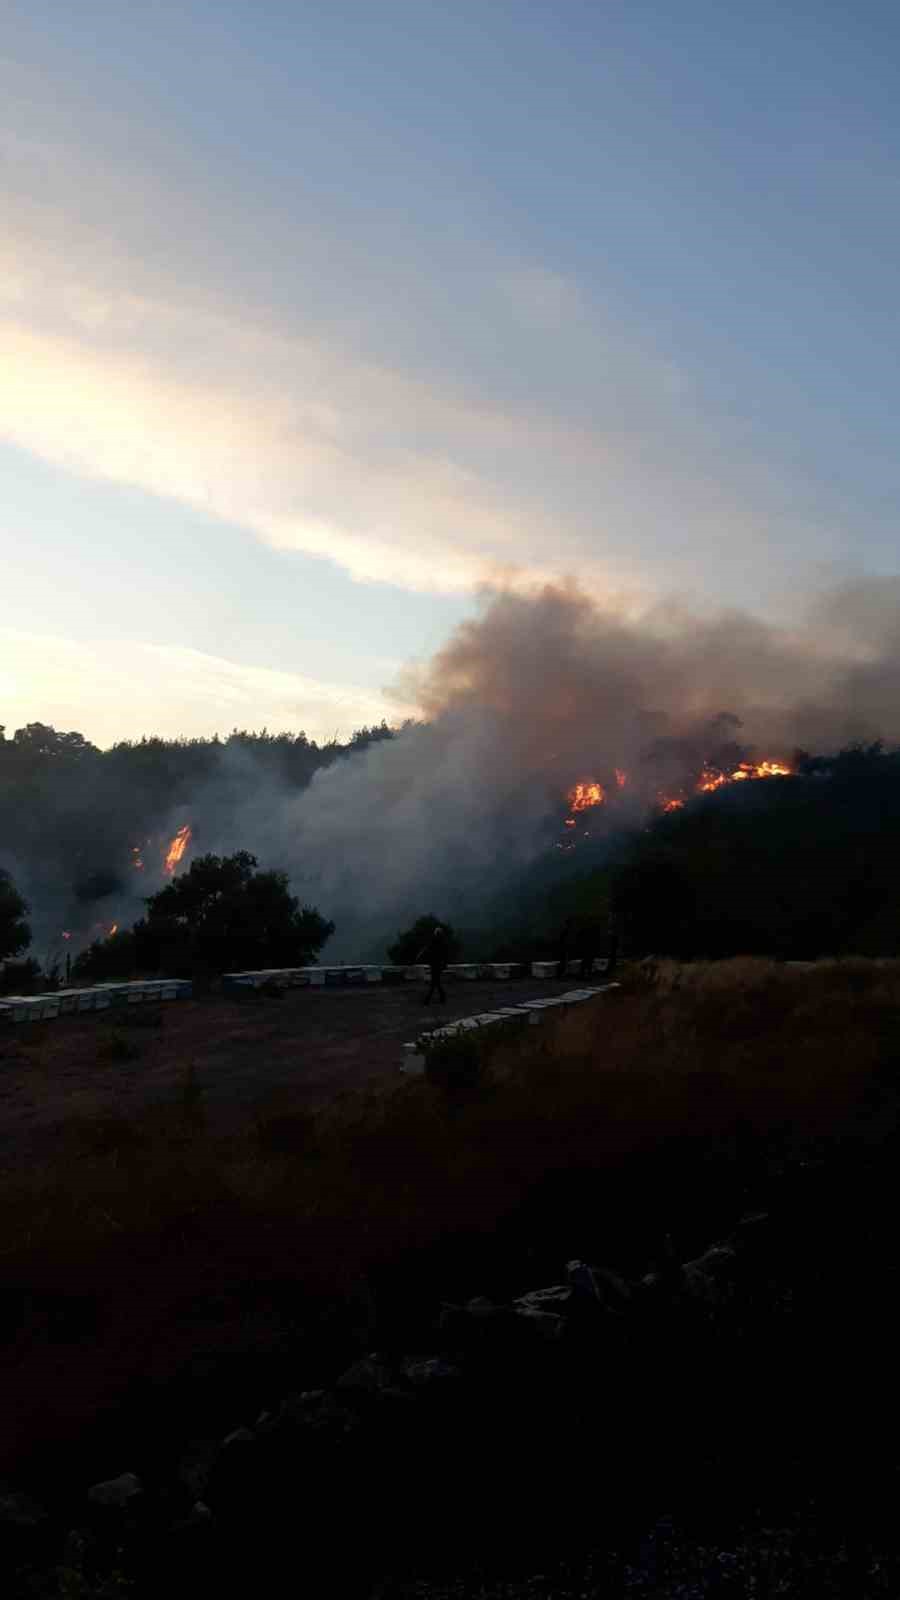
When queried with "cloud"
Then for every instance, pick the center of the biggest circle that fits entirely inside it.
(120, 690)
(430, 431)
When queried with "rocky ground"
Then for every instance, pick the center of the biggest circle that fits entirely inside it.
(719, 1425)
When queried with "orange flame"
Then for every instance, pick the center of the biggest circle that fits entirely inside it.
(113, 929)
(585, 795)
(137, 859)
(621, 778)
(712, 778)
(760, 769)
(177, 847)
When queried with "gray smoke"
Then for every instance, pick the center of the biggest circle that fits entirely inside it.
(534, 694)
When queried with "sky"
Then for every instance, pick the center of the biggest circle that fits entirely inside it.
(320, 321)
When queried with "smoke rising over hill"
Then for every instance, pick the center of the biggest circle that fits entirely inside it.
(537, 693)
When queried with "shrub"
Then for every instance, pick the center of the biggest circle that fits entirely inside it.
(408, 946)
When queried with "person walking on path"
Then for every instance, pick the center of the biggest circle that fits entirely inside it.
(612, 947)
(587, 951)
(435, 953)
(564, 947)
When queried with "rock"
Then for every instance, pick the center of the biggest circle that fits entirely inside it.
(650, 1282)
(481, 1307)
(430, 1370)
(199, 1516)
(192, 1542)
(117, 1493)
(18, 1511)
(556, 1299)
(368, 1375)
(238, 1437)
(195, 1467)
(317, 1412)
(710, 1277)
(598, 1286)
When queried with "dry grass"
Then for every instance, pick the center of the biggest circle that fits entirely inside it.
(145, 1238)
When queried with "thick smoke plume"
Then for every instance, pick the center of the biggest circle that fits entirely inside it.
(541, 691)
(536, 693)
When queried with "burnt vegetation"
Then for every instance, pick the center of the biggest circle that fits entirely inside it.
(793, 867)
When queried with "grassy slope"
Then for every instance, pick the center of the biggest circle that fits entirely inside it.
(153, 1254)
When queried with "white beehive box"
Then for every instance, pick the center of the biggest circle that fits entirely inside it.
(544, 969)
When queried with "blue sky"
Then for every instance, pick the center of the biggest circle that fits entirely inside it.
(316, 318)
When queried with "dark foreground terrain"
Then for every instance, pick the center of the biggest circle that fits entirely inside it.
(352, 1351)
(311, 1043)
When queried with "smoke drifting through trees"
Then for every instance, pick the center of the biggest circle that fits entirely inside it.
(538, 693)
(542, 691)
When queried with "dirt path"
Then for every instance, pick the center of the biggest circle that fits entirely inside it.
(311, 1045)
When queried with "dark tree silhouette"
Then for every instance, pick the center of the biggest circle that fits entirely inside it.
(15, 934)
(795, 867)
(223, 913)
(408, 946)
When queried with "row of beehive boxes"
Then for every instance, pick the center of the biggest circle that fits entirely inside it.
(531, 1011)
(66, 1002)
(340, 977)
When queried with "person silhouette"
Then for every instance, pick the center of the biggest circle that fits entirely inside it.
(435, 953)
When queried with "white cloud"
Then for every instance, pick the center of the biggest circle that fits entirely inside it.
(120, 690)
(504, 431)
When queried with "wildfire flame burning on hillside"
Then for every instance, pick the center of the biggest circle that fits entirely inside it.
(177, 848)
(712, 778)
(586, 794)
(589, 792)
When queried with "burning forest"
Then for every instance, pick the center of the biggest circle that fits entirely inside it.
(589, 794)
(550, 723)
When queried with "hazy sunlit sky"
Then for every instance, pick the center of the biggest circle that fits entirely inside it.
(314, 317)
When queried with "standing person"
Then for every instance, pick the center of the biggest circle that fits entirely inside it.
(587, 942)
(564, 947)
(612, 946)
(435, 953)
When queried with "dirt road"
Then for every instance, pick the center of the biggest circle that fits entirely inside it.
(309, 1045)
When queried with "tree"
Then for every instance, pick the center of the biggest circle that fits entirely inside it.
(15, 934)
(408, 946)
(114, 957)
(794, 867)
(223, 913)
